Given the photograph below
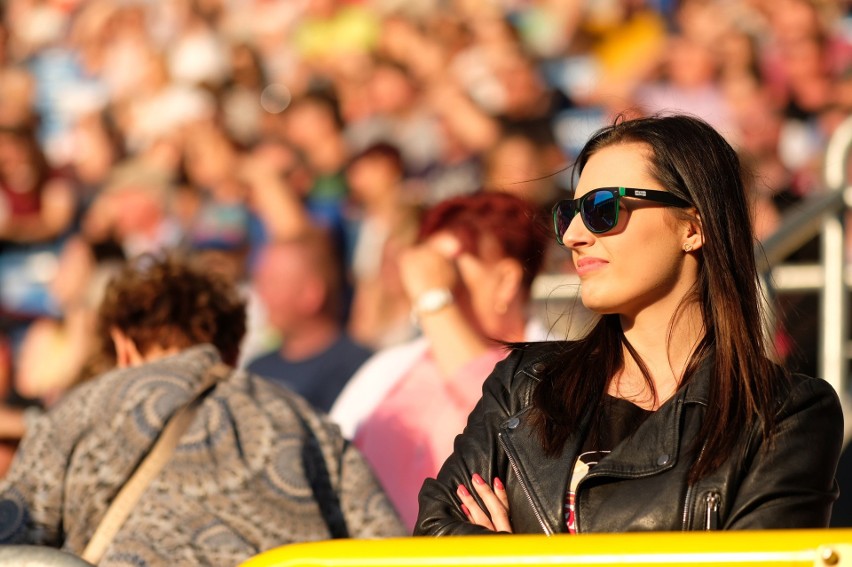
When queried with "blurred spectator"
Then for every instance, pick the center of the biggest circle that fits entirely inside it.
(160, 107)
(330, 33)
(127, 56)
(624, 40)
(77, 287)
(469, 280)
(99, 148)
(398, 116)
(299, 284)
(467, 133)
(36, 203)
(387, 222)
(689, 84)
(278, 180)
(44, 281)
(314, 126)
(17, 91)
(134, 210)
(525, 166)
(198, 53)
(240, 98)
(801, 60)
(37, 210)
(52, 353)
(215, 198)
(771, 183)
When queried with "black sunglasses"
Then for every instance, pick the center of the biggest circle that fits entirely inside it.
(599, 207)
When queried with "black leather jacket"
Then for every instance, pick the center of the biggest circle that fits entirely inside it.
(642, 484)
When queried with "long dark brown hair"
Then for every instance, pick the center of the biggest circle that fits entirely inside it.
(694, 162)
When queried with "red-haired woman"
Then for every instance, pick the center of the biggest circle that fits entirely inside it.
(469, 280)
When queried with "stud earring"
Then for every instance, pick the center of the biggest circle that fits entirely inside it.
(687, 247)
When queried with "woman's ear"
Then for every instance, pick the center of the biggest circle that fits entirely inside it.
(509, 275)
(126, 352)
(694, 238)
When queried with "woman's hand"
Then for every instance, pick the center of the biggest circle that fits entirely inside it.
(430, 265)
(496, 514)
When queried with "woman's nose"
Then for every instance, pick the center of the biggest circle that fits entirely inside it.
(577, 235)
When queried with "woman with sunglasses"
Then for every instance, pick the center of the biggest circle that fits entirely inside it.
(669, 414)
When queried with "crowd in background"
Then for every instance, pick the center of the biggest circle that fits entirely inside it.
(221, 127)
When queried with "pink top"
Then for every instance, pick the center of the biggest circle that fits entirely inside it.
(411, 433)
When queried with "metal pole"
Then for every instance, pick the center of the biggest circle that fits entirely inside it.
(834, 361)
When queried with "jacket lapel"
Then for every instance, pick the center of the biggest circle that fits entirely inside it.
(655, 446)
(652, 449)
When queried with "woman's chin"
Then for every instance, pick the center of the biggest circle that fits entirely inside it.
(597, 304)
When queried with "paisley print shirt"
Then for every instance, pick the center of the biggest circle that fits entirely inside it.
(256, 469)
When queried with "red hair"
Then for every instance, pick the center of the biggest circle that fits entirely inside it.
(512, 222)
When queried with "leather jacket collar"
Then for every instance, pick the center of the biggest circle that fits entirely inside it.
(653, 449)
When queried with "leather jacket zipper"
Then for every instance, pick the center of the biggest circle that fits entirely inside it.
(711, 511)
(689, 491)
(686, 508)
(513, 463)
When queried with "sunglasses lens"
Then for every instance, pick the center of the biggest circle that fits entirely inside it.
(600, 211)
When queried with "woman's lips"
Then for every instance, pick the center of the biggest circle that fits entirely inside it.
(589, 265)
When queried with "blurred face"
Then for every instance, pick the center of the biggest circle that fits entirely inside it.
(209, 158)
(690, 64)
(13, 152)
(141, 211)
(308, 124)
(640, 263)
(514, 160)
(96, 153)
(390, 90)
(371, 178)
(281, 280)
(516, 165)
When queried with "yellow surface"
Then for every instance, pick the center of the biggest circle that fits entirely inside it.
(777, 547)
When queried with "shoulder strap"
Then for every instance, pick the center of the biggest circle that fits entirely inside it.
(150, 466)
(324, 491)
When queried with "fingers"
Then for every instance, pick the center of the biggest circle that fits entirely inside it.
(496, 506)
(445, 244)
(495, 517)
(500, 491)
(472, 510)
(422, 268)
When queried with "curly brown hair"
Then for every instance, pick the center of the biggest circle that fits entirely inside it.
(172, 301)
